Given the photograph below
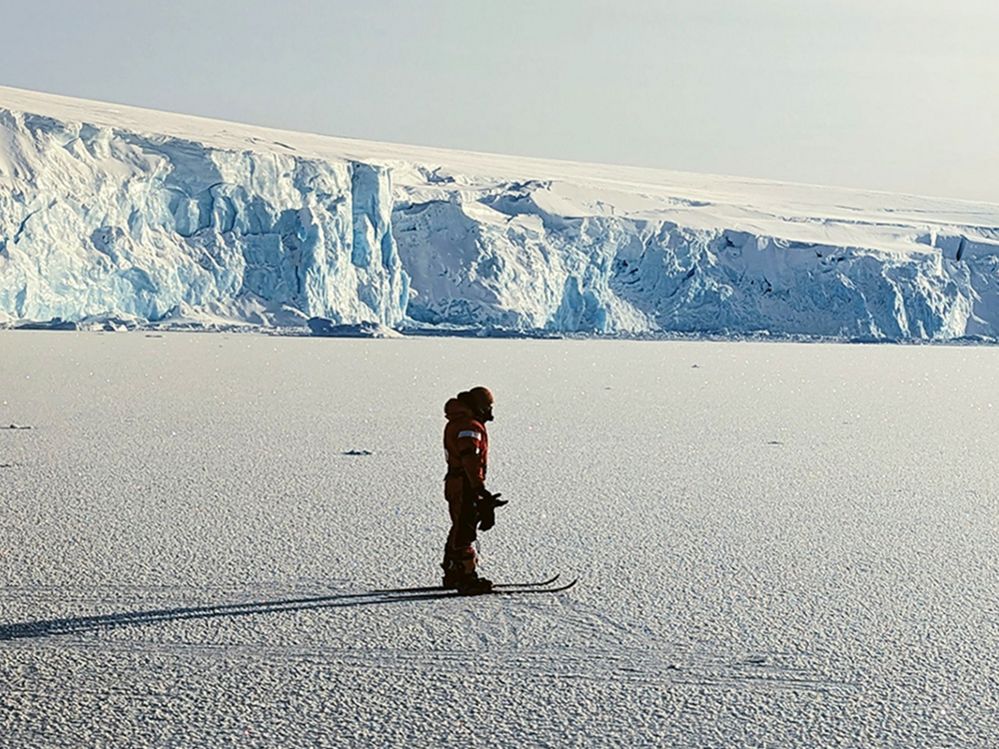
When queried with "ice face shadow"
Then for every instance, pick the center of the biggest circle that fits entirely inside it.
(80, 624)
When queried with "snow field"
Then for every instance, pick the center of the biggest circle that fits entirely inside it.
(779, 544)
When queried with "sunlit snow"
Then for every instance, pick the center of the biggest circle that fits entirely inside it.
(777, 544)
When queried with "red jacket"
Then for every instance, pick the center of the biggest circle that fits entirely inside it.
(466, 443)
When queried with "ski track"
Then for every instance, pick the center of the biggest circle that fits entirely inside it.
(596, 649)
(612, 651)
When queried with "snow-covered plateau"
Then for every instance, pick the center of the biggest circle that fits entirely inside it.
(114, 216)
(778, 545)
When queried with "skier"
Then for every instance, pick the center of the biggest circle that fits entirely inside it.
(470, 504)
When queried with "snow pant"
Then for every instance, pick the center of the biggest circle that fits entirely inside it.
(459, 553)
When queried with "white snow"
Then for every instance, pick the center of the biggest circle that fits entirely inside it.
(778, 545)
(112, 211)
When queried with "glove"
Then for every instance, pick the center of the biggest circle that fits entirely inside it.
(485, 507)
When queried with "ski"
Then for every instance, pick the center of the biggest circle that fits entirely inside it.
(507, 589)
(442, 589)
(512, 590)
(540, 584)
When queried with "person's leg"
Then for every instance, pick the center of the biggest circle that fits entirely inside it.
(459, 553)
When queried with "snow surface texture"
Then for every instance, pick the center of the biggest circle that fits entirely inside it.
(114, 212)
(812, 565)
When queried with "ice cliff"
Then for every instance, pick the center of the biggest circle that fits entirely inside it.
(99, 222)
(529, 268)
(116, 212)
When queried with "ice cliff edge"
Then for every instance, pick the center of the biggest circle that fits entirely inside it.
(109, 211)
(97, 221)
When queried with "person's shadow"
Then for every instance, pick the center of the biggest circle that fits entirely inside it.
(74, 625)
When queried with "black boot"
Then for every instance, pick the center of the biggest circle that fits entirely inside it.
(453, 576)
(473, 585)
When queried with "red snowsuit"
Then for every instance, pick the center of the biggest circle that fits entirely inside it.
(466, 447)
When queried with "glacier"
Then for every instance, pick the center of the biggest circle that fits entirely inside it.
(98, 222)
(110, 212)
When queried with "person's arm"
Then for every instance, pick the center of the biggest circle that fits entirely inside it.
(470, 451)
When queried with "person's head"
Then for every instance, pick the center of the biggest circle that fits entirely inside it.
(480, 401)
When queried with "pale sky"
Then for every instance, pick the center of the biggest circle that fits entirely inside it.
(899, 95)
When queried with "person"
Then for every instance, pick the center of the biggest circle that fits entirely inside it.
(470, 505)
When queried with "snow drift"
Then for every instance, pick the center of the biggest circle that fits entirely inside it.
(110, 212)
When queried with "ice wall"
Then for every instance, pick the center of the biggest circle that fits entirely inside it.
(502, 260)
(225, 223)
(100, 222)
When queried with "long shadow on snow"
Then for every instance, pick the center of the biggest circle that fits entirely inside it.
(73, 625)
